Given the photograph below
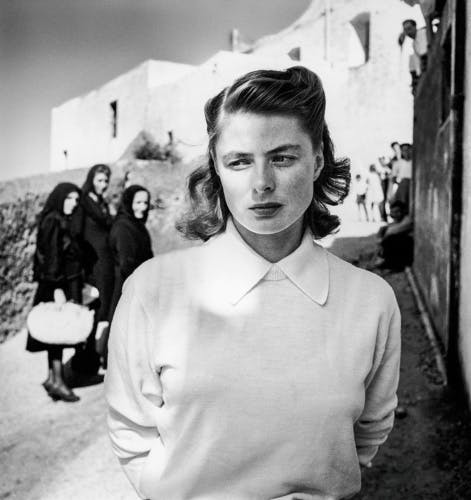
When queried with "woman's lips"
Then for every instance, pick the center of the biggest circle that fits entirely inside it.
(266, 209)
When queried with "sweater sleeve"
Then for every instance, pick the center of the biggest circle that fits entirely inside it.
(377, 418)
(132, 387)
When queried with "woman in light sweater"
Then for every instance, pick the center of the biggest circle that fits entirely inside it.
(256, 366)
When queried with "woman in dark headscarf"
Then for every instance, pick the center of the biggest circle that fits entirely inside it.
(57, 265)
(96, 225)
(129, 239)
(93, 222)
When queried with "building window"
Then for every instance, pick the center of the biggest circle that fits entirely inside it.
(359, 43)
(114, 118)
(295, 53)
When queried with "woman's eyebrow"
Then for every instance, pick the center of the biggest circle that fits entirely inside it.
(285, 147)
(236, 154)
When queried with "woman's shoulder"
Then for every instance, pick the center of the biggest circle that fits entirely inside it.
(52, 220)
(360, 282)
(121, 224)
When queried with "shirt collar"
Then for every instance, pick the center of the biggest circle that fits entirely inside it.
(240, 268)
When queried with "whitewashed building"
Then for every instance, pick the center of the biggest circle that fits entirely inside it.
(351, 44)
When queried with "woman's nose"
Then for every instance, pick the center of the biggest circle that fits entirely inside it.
(263, 179)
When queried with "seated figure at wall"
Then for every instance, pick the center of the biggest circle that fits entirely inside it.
(395, 240)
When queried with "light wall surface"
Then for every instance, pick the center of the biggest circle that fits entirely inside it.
(369, 105)
(81, 132)
(465, 271)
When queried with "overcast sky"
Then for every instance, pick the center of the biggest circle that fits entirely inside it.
(53, 50)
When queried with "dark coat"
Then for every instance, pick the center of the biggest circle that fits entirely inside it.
(130, 242)
(58, 258)
(93, 222)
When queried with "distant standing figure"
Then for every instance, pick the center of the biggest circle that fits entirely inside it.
(57, 265)
(129, 238)
(396, 157)
(360, 189)
(94, 223)
(384, 175)
(403, 176)
(418, 60)
(374, 195)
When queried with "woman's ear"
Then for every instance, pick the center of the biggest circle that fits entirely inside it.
(318, 164)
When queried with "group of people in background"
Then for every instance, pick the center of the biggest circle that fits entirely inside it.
(80, 241)
(384, 195)
(384, 184)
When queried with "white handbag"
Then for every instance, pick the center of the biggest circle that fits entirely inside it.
(60, 322)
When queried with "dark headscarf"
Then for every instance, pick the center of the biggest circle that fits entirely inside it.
(55, 201)
(125, 207)
(100, 168)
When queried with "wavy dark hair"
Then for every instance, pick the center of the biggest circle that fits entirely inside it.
(99, 168)
(296, 92)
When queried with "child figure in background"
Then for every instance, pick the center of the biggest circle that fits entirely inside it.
(360, 189)
(374, 194)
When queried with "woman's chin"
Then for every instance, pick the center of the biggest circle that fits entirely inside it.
(265, 226)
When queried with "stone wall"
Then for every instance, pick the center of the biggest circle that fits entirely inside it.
(18, 211)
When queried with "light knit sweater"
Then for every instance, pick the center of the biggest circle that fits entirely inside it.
(233, 378)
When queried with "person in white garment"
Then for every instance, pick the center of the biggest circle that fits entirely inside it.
(256, 366)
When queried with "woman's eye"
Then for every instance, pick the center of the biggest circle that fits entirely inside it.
(239, 164)
(283, 160)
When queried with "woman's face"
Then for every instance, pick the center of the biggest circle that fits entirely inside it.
(267, 167)
(100, 183)
(140, 204)
(70, 202)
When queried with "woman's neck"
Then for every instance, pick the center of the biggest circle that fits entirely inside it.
(273, 247)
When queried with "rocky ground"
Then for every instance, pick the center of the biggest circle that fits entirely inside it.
(56, 451)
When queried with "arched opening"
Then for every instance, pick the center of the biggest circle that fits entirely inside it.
(359, 40)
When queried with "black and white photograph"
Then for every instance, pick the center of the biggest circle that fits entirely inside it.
(235, 242)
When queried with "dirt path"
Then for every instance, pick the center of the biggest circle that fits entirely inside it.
(57, 451)
(52, 451)
(428, 454)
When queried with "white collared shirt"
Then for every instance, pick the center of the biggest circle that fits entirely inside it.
(230, 377)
